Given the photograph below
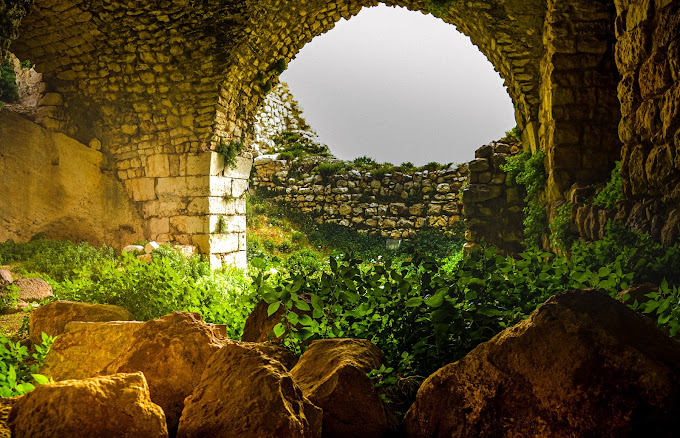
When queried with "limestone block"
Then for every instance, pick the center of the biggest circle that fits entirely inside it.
(659, 166)
(231, 224)
(158, 227)
(238, 187)
(183, 186)
(142, 188)
(220, 186)
(158, 165)
(191, 224)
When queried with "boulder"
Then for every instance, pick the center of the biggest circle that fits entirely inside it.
(245, 394)
(5, 278)
(582, 364)
(277, 352)
(332, 374)
(53, 317)
(134, 249)
(172, 352)
(33, 289)
(637, 292)
(259, 324)
(107, 406)
(84, 349)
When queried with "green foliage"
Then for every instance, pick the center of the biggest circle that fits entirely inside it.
(267, 87)
(221, 225)
(515, 134)
(9, 90)
(612, 192)
(432, 166)
(18, 368)
(229, 152)
(561, 234)
(439, 7)
(8, 296)
(528, 171)
(26, 64)
(327, 169)
(365, 161)
(279, 66)
(149, 290)
(424, 313)
(291, 145)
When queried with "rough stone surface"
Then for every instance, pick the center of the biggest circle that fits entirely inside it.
(33, 289)
(53, 317)
(394, 205)
(259, 324)
(172, 352)
(246, 394)
(582, 364)
(332, 374)
(64, 193)
(117, 405)
(84, 349)
(6, 278)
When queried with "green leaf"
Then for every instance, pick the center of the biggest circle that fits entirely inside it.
(302, 305)
(273, 308)
(40, 379)
(663, 319)
(435, 300)
(305, 320)
(414, 302)
(279, 330)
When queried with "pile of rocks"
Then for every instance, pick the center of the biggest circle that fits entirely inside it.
(583, 364)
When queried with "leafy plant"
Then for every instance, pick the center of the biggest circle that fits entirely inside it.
(612, 192)
(515, 134)
(9, 90)
(528, 171)
(229, 151)
(221, 225)
(327, 169)
(279, 66)
(18, 369)
(561, 234)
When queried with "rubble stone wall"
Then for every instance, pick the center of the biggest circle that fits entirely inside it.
(279, 112)
(648, 58)
(394, 205)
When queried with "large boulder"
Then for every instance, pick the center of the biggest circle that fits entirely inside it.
(332, 374)
(33, 289)
(244, 393)
(172, 352)
(84, 349)
(5, 278)
(106, 406)
(582, 364)
(53, 317)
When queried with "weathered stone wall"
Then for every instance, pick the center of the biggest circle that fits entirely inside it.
(279, 112)
(492, 202)
(160, 86)
(648, 58)
(54, 185)
(11, 14)
(395, 205)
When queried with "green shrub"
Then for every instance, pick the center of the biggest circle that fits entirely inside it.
(561, 234)
(327, 169)
(9, 90)
(229, 152)
(515, 134)
(279, 66)
(18, 368)
(612, 192)
(432, 166)
(528, 171)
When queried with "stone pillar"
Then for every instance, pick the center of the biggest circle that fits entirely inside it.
(579, 111)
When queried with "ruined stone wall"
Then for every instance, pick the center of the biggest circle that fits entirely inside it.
(394, 205)
(492, 202)
(648, 58)
(279, 112)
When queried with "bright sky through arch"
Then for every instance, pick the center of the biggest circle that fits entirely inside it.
(399, 86)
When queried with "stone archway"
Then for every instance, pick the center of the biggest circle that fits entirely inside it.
(161, 83)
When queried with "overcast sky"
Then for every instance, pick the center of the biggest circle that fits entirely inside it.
(398, 86)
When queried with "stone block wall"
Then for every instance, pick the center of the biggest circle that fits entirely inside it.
(648, 58)
(493, 204)
(279, 112)
(394, 206)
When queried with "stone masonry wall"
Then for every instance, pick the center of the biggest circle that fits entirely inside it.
(648, 58)
(394, 206)
(493, 204)
(279, 112)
